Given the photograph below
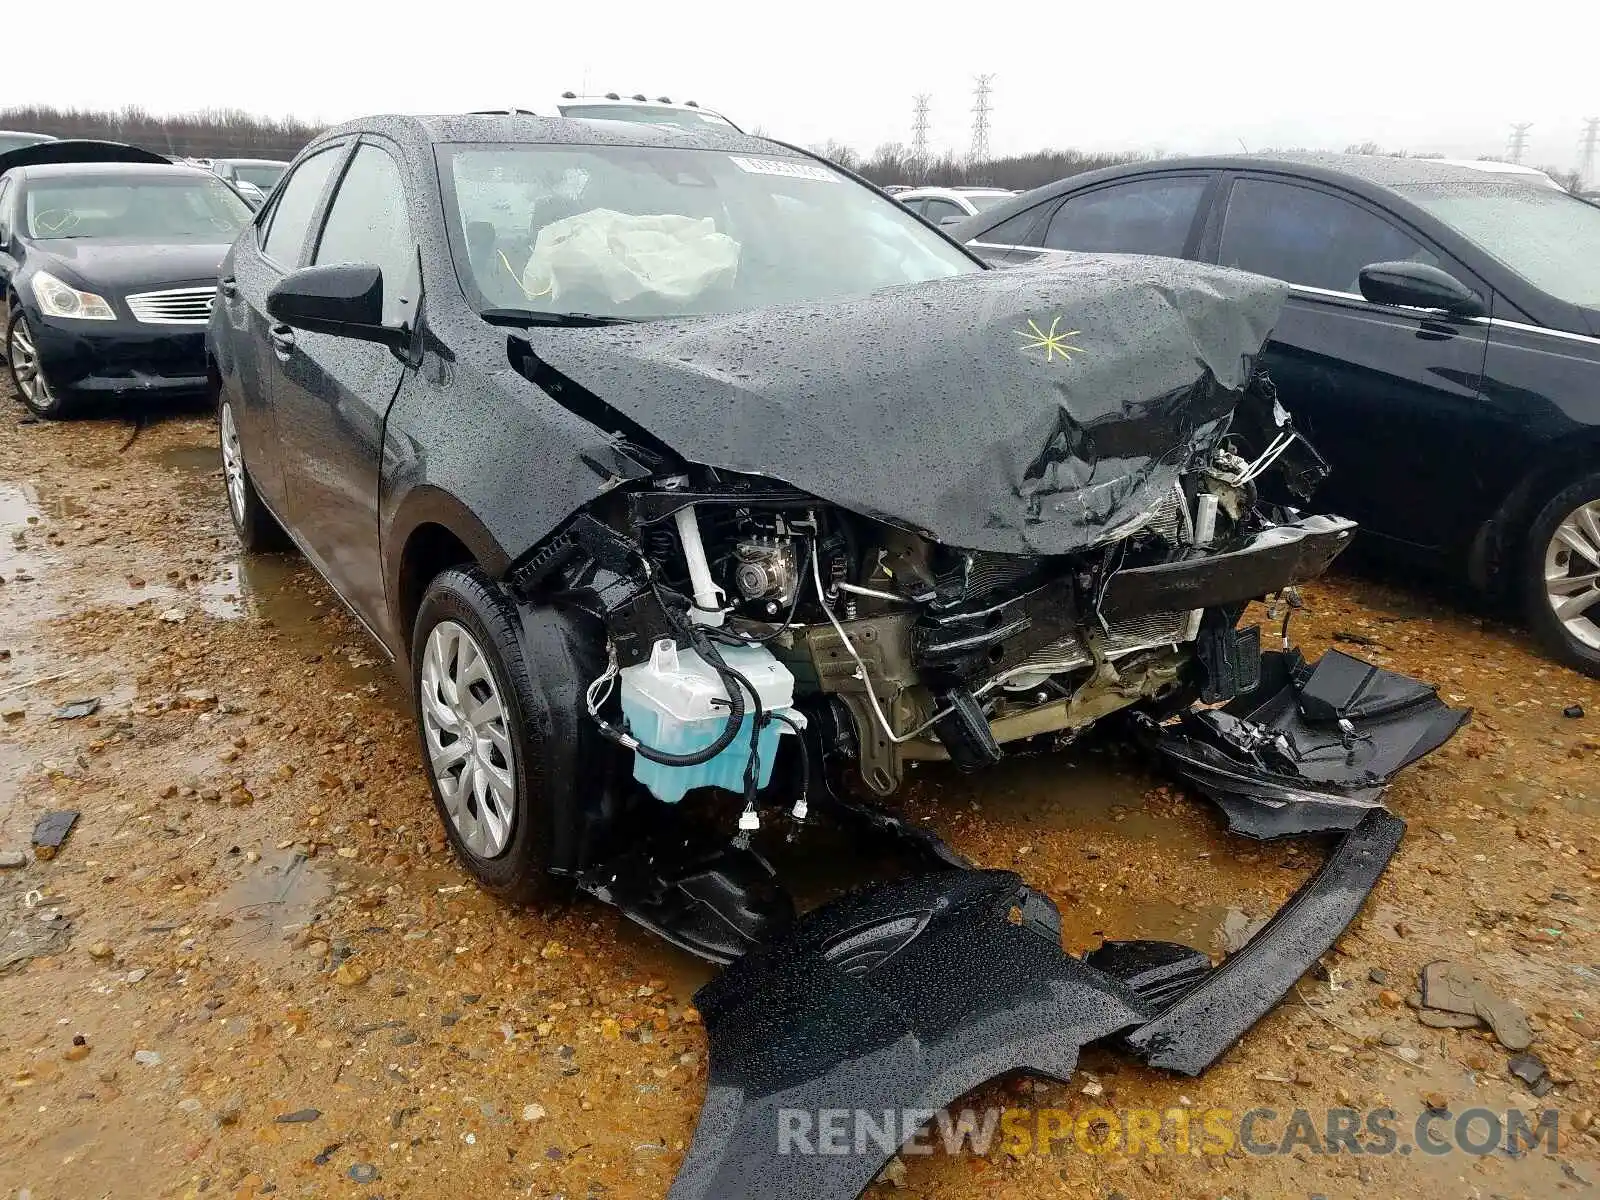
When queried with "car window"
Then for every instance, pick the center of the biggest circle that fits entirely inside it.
(5, 223)
(915, 204)
(1019, 230)
(367, 224)
(1310, 237)
(290, 222)
(986, 200)
(939, 209)
(1143, 216)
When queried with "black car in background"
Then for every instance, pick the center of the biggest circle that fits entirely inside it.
(1441, 344)
(108, 267)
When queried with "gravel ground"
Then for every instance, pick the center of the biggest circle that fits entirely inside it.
(254, 968)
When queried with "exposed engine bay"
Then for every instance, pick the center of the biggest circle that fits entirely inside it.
(738, 611)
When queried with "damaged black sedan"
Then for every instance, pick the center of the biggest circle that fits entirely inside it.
(699, 489)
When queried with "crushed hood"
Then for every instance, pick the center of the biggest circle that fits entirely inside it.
(1030, 411)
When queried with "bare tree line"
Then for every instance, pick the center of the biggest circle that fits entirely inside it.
(894, 162)
(212, 133)
(232, 133)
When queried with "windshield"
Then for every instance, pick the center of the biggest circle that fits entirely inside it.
(1549, 238)
(183, 208)
(642, 232)
(262, 175)
(983, 200)
(646, 114)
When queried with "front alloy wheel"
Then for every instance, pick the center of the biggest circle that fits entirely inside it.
(468, 740)
(27, 373)
(1562, 574)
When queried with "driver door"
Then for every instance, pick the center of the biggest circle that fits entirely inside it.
(333, 393)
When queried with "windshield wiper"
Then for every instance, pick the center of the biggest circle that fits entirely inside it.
(525, 317)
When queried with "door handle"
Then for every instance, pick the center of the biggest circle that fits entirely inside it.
(282, 339)
(230, 287)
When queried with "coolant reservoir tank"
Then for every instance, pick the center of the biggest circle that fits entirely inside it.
(678, 703)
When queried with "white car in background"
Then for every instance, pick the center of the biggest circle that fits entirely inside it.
(945, 205)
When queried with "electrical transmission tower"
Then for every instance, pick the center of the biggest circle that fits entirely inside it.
(980, 118)
(1517, 145)
(1587, 143)
(919, 131)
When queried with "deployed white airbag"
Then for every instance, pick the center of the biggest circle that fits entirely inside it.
(623, 256)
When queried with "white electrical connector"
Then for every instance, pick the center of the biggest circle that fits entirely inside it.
(749, 819)
(798, 812)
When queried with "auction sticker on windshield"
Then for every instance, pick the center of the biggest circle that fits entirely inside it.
(790, 170)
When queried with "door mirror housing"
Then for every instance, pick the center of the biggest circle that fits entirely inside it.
(343, 299)
(1418, 285)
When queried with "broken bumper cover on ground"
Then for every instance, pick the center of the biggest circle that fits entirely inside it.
(1193, 1033)
(1312, 748)
(890, 1004)
(892, 1001)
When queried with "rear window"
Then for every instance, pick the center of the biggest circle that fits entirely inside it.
(1547, 237)
(985, 200)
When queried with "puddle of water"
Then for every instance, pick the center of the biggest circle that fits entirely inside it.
(19, 514)
(282, 891)
(1076, 791)
(191, 459)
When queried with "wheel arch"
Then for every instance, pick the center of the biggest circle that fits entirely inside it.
(433, 532)
(1499, 541)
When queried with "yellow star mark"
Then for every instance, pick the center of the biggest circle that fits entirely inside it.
(1052, 343)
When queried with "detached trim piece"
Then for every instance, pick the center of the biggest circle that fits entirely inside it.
(1199, 1029)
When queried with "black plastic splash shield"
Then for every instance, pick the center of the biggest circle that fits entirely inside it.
(1313, 748)
(893, 1000)
(1192, 1034)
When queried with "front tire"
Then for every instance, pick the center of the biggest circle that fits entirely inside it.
(27, 374)
(1561, 575)
(258, 530)
(497, 696)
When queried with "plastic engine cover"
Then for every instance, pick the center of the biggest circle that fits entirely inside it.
(677, 703)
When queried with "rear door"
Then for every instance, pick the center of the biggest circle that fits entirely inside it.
(334, 392)
(1389, 395)
(278, 243)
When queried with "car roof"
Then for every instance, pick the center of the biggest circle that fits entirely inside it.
(1373, 174)
(534, 130)
(1381, 170)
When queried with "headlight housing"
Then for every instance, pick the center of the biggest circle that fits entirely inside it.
(57, 299)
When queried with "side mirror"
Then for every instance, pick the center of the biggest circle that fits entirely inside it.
(1417, 285)
(946, 222)
(343, 299)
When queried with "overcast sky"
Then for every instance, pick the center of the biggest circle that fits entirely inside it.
(1128, 75)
